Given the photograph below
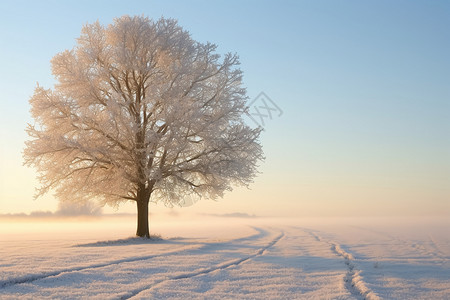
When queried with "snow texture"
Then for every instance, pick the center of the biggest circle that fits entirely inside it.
(231, 258)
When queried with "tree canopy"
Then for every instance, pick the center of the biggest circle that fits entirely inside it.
(140, 112)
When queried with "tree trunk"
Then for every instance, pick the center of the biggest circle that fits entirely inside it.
(142, 218)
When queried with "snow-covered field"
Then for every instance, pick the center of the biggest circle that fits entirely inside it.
(232, 258)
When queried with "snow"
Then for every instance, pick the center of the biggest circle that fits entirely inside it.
(226, 257)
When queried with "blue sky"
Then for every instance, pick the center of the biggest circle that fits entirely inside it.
(364, 87)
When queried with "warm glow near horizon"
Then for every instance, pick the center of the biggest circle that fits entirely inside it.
(365, 123)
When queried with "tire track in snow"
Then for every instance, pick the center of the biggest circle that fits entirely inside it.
(203, 271)
(419, 248)
(34, 277)
(438, 249)
(354, 282)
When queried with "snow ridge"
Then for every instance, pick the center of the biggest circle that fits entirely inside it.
(431, 248)
(231, 263)
(353, 279)
(354, 282)
(33, 277)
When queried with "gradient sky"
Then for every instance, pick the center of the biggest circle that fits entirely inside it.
(364, 87)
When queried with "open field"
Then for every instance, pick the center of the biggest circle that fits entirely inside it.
(233, 258)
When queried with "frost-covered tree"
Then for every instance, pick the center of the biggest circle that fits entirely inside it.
(141, 112)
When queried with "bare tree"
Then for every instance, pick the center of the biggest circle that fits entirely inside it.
(141, 112)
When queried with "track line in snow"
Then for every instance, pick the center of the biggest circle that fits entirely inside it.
(354, 282)
(419, 247)
(33, 277)
(203, 271)
(438, 251)
(436, 246)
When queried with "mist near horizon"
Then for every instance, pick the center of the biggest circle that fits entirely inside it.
(235, 150)
(229, 256)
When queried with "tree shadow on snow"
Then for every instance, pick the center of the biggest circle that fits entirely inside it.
(124, 242)
(156, 238)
